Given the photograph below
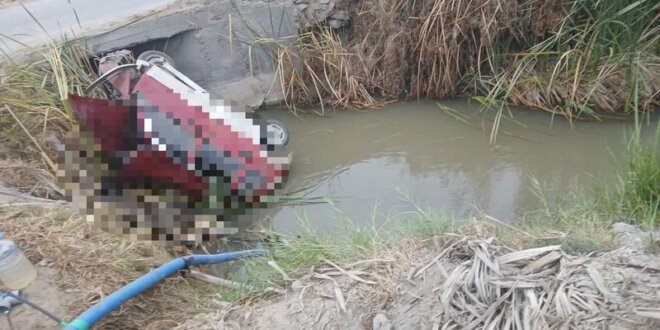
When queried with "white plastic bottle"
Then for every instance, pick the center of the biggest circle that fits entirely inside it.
(16, 271)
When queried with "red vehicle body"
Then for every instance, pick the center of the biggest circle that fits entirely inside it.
(159, 130)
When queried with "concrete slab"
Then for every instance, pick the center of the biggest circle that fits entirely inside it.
(215, 43)
(64, 17)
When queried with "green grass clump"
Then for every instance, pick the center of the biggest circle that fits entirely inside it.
(581, 220)
(636, 196)
(572, 220)
(640, 185)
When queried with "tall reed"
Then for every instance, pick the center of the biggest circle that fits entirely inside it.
(602, 56)
(576, 59)
(635, 197)
(405, 49)
(35, 94)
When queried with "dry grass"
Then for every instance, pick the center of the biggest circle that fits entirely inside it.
(30, 179)
(92, 264)
(325, 78)
(33, 105)
(404, 49)
(576, 59)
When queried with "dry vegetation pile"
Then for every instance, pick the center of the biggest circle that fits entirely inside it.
(543, 54)
(463, 283)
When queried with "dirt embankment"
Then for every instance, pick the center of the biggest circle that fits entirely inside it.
(462, 282)
(448, 282)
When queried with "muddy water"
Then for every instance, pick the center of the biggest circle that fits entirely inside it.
(365, 160)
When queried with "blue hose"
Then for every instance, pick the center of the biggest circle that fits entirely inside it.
(113, 301)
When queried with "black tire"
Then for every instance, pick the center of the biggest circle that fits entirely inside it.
(153, 55)
(280, 128)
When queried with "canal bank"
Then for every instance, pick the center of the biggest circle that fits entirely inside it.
(421, 148)
(456, 281)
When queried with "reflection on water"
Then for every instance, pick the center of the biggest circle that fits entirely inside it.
(362, 159)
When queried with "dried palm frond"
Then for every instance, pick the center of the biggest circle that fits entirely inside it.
(540, 288)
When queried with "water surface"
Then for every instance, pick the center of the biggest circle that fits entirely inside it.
(365, 160)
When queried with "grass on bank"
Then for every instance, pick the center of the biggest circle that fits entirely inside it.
(636, 193)
(577, 59)
(601, 57)
(33, 108)
(569, 58)
(394, 49)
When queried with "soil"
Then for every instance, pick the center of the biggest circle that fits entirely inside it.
(45, 292)
(596, 293)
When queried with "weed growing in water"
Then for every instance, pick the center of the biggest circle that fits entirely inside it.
(635, 198)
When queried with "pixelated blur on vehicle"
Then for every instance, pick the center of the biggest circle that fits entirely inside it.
(159, 132)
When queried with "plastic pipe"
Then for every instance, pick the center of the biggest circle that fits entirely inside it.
(88, 318)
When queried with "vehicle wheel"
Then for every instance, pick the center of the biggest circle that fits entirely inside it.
(155, 55)
(281, 134)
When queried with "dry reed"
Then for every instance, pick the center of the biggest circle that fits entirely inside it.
(462, 282)
(560, 57)
(404, 49)
(33, 103)
(540, 288)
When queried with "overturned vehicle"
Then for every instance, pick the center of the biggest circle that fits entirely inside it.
(160, 160)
